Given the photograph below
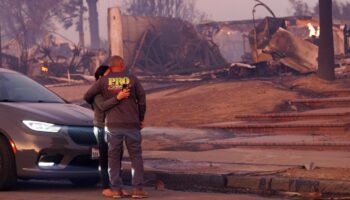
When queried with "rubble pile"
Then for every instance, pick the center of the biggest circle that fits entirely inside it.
(276, 45)
(62, 57)
(156, 45)
(53, 57)
(272, 42)
(167, 49)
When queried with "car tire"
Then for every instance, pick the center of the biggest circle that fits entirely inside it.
(85, 182)
(8, 174)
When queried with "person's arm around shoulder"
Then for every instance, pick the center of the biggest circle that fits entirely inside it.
(105, 105)
(94, 90)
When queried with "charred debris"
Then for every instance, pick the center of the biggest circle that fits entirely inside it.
(170, 49)
(166, 49)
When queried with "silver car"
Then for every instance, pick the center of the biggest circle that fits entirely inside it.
(42, 136)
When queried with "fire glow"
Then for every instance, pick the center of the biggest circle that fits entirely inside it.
(312, 31)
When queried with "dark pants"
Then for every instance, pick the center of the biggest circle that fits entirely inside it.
(133, 139)
(103, 160)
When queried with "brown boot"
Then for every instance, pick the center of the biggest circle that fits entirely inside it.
(117, 194)
(139, 194)
(125, 193)
(109, 193)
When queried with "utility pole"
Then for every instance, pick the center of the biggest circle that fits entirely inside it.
(115, 32)
(346, 32)
(326, 45)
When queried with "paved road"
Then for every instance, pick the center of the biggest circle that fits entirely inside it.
(65, 191)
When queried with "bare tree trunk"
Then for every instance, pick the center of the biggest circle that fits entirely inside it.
(0, 49)
(93, 22)
(326, 47)
(81, 24)
(24, 65)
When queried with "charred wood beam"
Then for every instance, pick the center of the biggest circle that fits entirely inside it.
(137, 54)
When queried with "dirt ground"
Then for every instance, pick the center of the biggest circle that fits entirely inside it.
(195, 104)
(191, 106)
(339, 174)
(314, 84)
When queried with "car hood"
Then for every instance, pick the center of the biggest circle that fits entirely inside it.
(57, 113)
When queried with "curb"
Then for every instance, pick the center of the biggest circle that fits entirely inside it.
(229, 183)
(276, 184)
(183, 181)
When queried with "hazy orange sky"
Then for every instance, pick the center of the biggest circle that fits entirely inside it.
(218, 10)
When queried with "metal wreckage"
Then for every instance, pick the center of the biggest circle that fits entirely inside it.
(171, 49)
(158, 45)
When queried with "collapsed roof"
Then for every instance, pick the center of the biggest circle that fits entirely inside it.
(159, 45)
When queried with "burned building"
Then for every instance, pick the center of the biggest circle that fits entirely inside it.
(165, 45)
(160, 45)
(231, 38)
(291, 41)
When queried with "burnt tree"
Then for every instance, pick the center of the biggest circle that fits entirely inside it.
(26, 22)
(326, 45)
(93, 23)
(71, 13)
(80, 24)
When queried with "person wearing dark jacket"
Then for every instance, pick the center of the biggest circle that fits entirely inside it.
(100, 106)
(123, 123)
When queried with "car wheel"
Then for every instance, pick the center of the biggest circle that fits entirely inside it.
(8, 175)
(85, 182)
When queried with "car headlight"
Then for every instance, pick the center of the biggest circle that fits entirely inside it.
(41, 126)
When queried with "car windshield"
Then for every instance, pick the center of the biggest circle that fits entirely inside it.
(18, 88)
